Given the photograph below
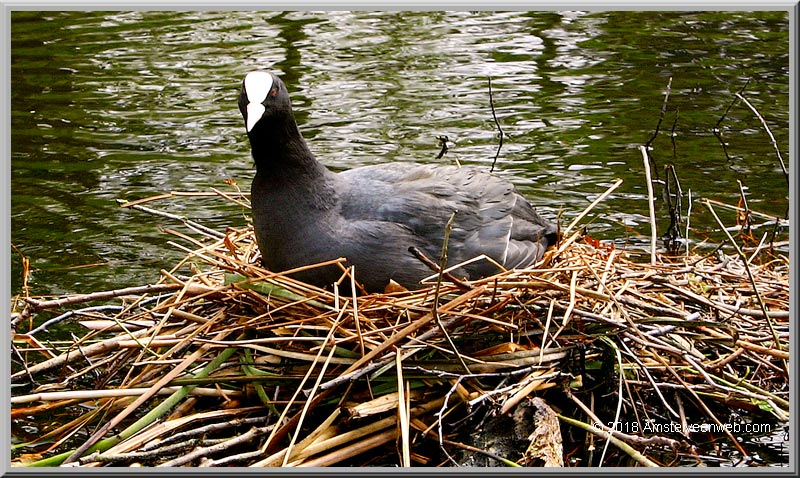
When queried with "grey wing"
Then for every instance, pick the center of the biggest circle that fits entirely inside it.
(491, 217)
(417, 196)
(506, 227)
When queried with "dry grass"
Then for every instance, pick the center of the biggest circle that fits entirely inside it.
(223, 363)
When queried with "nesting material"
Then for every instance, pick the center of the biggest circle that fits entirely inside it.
(223, 363)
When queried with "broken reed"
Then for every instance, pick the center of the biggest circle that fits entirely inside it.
(277, 372)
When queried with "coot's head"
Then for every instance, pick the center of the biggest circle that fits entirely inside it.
(263, 97)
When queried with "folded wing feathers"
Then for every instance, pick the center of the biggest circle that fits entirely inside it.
(501, 225)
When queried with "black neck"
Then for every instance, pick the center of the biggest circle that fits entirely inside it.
(278, 147)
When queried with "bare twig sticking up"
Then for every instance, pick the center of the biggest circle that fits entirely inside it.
(494, 115)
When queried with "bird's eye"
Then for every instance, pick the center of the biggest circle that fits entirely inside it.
(273, 92)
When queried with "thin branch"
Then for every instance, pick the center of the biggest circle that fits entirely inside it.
(435, 268)
(649, 142)
(442, 266)
(717, 130)
(653, 231)
(769, 132)
(496, 122)
(763, 306)
(102, 295)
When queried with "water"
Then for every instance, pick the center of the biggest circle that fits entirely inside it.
(124, 105)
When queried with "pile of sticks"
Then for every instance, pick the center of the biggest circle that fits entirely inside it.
(223, 363)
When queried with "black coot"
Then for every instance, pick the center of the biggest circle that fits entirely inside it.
(304, 213)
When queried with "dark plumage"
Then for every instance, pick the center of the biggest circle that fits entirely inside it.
(304, 213)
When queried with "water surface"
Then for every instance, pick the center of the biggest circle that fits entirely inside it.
(124, 105)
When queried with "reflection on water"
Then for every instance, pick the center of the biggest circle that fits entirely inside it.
(109, 105)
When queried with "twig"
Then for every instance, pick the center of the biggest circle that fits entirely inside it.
(403, 416)
(188, 222)
(348, 451)
(648, 144)
(783, 222)
(107, 458)
(661, 116)
(172, 194)
(672, 136)
(112, 393)
(497, 123)
(435, 268)
(653, 231)
(688, 218)
(717, 130)
(769, 132)
(673, 230)
(216, 448)
(591, 206)
(641, 459)
(68, 314)
(213, 427)
(767, 318)
(110, 294)
(437, 290)
(745, 215)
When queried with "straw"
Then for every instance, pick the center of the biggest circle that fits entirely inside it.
(315, 379)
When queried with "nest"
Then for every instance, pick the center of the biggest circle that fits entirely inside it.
(591, 357)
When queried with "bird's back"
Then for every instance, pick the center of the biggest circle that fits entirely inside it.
(491, 217)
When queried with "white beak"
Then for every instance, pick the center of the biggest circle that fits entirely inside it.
(257, 85)
(254, 112)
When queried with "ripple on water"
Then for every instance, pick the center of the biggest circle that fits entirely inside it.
(128, 104)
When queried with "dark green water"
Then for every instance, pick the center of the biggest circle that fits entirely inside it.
(124, 105)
